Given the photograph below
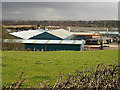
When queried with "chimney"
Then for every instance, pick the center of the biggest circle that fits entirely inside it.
(46, 29)
(68, 28)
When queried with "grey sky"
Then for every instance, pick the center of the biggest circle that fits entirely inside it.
(60, 10)
(60, 0)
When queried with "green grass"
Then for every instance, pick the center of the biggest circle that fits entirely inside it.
(40, 66)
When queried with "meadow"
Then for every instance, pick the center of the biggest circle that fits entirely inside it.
(41, 66)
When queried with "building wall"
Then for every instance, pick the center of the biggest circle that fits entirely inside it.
(69, 38)
(111, 35)
(45, 36)
(92, 42)
(53, 47)
(81, 37)
(95, 36)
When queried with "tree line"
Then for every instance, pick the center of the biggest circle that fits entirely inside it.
(10, 45)
(97, 23)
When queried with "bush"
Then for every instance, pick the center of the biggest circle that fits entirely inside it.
(13, 47)
(10, 45)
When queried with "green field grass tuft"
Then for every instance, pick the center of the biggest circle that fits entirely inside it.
(41, 66)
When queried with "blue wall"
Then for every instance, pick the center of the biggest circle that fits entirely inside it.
(69, 38)
(53, 47)
(45, 36)
(81, 37)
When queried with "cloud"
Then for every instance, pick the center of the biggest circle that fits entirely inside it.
(60, 10)
(60, 0)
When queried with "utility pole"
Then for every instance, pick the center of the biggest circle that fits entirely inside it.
(101, 43)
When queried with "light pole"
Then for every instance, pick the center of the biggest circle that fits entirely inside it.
(101, 43)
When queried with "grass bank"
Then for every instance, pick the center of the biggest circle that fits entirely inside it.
(40, 66)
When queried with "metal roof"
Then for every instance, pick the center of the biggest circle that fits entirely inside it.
(104, 38)
(46, 41)
(60, 33)
(27, 34)
(86, 34)
(105, 32)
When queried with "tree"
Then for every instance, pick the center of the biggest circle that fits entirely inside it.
(10, 45)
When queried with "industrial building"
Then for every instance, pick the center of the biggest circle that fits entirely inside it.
(27, 34)
(109, 34)
(47, 40)
(50, 45)
(85, 35)
(58, 34)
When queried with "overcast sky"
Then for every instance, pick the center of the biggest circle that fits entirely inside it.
(60, 10)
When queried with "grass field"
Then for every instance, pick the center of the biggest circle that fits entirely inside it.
(40, 66)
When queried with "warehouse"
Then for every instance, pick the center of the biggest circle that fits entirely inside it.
(51, 45)
(109, 34)
(84, 36)
(27, 34)
(58, 34)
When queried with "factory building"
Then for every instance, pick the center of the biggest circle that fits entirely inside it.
(109, 34)
(84, 36)
(50, 45)
(58, 34)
